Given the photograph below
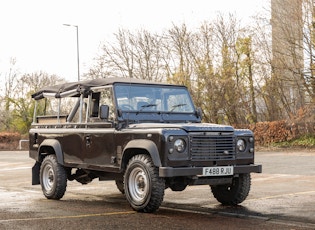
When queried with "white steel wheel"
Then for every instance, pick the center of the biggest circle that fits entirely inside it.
(48, 178)
(138, 185)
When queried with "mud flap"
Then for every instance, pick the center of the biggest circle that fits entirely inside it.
(35, 173)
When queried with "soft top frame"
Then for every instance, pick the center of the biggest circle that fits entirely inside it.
(81, 87)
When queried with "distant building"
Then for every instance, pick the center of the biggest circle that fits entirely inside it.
(287, 50)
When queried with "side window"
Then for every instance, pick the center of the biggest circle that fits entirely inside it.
(107, 99)
(94, 109)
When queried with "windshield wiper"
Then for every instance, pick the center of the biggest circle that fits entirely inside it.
(176, 106)
(146, 106)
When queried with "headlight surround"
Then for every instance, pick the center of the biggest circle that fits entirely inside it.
(180, 145)
(241, 145)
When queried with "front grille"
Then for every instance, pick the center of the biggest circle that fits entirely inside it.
(212, 146)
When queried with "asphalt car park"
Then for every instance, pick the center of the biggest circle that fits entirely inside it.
(282, 197)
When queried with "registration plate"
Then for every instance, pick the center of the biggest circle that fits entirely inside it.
(218, 171)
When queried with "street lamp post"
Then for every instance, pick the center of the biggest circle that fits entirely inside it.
(78, 60)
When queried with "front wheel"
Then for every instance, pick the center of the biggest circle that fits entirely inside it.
(53, 178)
(234, 193)
(144, 188)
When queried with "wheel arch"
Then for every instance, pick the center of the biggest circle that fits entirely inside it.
(51, 146)
(141, 146)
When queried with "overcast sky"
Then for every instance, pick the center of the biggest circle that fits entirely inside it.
(32, 31)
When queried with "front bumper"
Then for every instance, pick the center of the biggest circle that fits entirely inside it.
(194, 171)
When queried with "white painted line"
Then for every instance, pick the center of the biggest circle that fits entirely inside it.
(70, 217)
(13, 169)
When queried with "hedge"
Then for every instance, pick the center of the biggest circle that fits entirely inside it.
(9, 141)
(279, 131)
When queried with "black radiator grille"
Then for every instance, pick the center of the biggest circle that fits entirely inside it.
(212, 147)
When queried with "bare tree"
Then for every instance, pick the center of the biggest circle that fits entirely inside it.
(132, 56)
(148, 59)
(22, 105)
(9, 90)
(266, 90)
(230, 70)
(118, 57)
(205, 85)
(177, 59)
(227, 32)
(245, 74)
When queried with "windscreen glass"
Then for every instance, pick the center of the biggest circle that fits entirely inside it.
(153, 98)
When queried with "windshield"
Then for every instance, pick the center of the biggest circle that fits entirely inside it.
(157, 98)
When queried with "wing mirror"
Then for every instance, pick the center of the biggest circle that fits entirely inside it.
(199, 113)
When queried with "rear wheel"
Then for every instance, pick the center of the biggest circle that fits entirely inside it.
(234, 193)
(53, 178)
(144, 188)
(120, 185)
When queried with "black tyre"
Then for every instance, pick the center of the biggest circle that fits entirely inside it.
(235, 193)
(53, 178)
(120, 185)
(144, 188)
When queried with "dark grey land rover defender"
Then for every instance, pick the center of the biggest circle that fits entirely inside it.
(146, 136)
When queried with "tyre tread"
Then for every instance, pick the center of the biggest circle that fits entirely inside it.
(233, 194)
(61, 178)
(158, 184)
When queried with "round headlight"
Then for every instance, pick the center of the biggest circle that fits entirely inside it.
(241, 146)
(180, 145)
